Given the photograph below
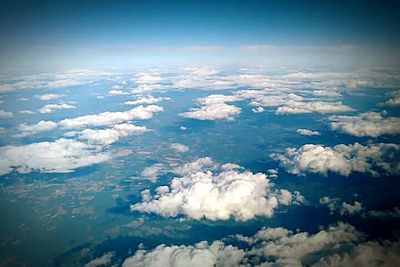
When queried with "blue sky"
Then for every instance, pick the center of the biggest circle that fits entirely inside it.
(128, 33)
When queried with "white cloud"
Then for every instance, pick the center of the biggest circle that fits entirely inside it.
(60, 156)
(46, 97)
(179, 148)
(200, 255)
(117, 92)
(394, 99)
(104, 260)
(200, 193)
(258, 109)
(313, 106)
(337, 245)
(343, 208)
(41, 126)
(375, 159)
(149, 99)
(214, 107)
(219, 111)
(25, 111)
(51, 107)
(371, 124)
(153, 171)
(110, 118)
(111, 135)
(307, 132)
(5, 114)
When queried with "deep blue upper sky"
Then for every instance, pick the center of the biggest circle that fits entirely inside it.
(110, 25)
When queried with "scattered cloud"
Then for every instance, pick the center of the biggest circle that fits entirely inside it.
(27, 130)
(307, 132)
(51, 107)
(60, 156)
(5, 114)
(370, 124)
(149, 99)
(46, 97)
(179, 148)
(375, 159)
(111, 135)
(394, 99)
(153, 171)
(104, 260)
(110, 118)
(343, 208)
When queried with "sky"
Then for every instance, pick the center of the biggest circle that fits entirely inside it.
(137, 33)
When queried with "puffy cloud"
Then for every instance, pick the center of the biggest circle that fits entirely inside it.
(5, 114)
(51, 107)
(60, 156)
(334, 205)
(110, 118)
(371, 124)
(199, 255)
(46, 97)
(307, 132)
(375, 159)
(111, 135)
(214, 107)
(41, 126)
(104, 260)
(180, 148)
(219, 111)
(200, 193)
(149, 99)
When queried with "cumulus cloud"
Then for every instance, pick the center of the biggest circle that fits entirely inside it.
(5, 114)
(307, 132)
(41, 126)
(375, 159)
(60, 156)
(219, 195)
(111, 135)
(51, 107)
(110, 118)
(219, 111)
(371, 124)
(46, 97)
(336, 245)
(179, 148)
(214, 107)
(201, 254)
